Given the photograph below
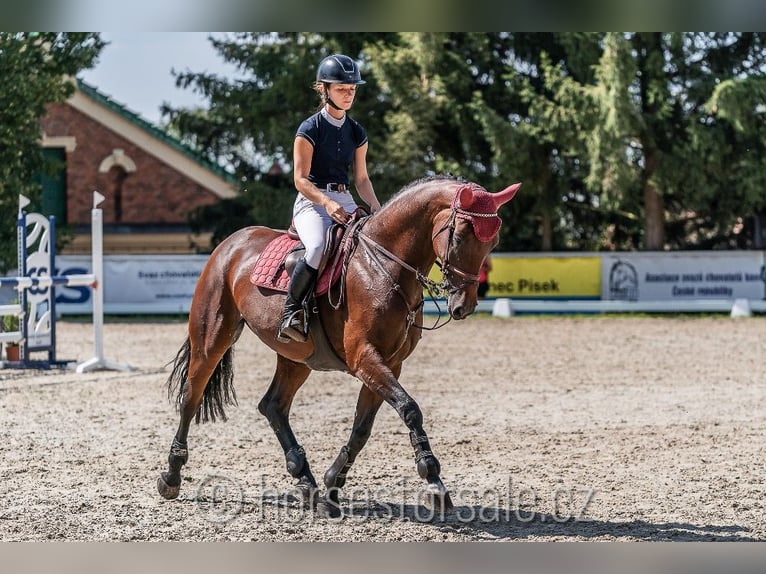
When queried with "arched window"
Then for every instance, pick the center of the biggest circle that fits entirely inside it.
(118, 166)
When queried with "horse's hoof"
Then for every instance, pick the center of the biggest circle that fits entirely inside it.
(310, 495)
(166, 491)
(325, 509)
(438, 500)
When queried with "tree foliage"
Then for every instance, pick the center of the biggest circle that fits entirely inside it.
(36, 69)
(622, 140)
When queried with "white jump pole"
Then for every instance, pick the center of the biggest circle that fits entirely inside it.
(97, 234)
(88, 280)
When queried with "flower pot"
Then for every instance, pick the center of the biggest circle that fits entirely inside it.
(13, 352)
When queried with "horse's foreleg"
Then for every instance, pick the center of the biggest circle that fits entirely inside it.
(275, 406)
(427, 464)
(367, 406)
(382, 381)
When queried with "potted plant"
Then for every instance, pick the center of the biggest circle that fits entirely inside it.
(11, 324)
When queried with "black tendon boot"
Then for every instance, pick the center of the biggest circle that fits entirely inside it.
(291, 326)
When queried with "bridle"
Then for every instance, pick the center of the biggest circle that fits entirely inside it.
(443, 288)
(446, 267)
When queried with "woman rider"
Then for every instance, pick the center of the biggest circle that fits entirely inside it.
(325, 146)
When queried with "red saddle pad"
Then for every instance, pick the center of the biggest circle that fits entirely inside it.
(269, 269)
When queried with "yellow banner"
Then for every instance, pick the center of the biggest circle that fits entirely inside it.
(545, 277)
(542, 277)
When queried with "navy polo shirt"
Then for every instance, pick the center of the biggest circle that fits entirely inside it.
(333, 148)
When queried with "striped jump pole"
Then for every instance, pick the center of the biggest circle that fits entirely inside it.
(49, 281)
(36, 286)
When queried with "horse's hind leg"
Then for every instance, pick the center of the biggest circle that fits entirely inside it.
(203, 372)
(275, 406)
(367, 406)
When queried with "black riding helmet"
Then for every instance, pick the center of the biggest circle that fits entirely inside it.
(339, 69)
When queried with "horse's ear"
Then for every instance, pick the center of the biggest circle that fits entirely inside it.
(506, 195)
(465, 198)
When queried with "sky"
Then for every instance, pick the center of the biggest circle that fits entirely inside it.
(134, 69)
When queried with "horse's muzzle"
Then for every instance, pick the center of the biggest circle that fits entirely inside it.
(460, 305)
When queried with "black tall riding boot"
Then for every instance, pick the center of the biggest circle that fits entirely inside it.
(291, 326)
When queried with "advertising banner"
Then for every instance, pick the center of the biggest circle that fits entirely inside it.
(133, 283)
(164, 284)
(545, 277)
(542, 277)
(667, 276)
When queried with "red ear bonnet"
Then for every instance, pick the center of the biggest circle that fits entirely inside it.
(480, 208)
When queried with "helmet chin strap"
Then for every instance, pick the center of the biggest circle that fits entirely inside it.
(328, 99)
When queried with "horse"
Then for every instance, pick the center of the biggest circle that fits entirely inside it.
(372, 326)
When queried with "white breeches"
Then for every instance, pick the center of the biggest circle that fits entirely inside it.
(311, 222)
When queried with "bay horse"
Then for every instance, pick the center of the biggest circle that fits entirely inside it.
(373, 326)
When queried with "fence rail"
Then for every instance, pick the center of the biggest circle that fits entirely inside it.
(532, 306)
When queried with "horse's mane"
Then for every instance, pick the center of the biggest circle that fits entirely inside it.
(418, 183)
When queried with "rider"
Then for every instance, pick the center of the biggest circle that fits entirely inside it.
(325, 146)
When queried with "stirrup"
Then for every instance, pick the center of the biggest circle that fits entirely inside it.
(292, 329)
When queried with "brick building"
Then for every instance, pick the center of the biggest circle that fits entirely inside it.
(151, 181)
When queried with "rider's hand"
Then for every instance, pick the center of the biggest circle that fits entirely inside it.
(336, 212)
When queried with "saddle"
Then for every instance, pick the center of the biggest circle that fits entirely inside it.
(274, 267)
(275, 264)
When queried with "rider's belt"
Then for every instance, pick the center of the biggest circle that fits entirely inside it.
(338, 187)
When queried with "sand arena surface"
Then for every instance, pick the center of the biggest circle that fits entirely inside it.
(555, 428)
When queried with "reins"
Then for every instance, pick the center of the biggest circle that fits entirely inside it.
(435, 290)
(354, 236)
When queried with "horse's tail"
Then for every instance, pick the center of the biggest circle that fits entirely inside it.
(219, 390)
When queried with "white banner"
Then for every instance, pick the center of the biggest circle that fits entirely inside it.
(164, 284)
(677, 276)
(151, 284)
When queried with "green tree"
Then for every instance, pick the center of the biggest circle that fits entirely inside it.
(734, 143)
(656, 151)
(415, 107)
(427, 81)
(250, 121)
(622, 140)
(635, 141)
(36, 69)
(536, 136)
